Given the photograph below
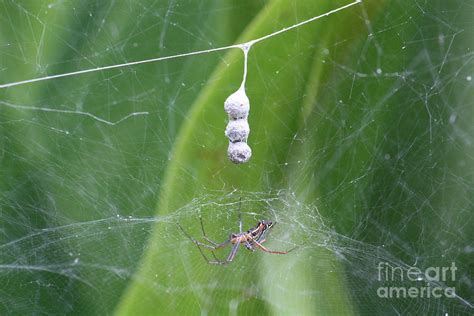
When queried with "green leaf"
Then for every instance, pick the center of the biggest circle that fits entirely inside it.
(276, 83)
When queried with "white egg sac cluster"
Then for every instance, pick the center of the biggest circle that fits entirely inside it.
(237, 107)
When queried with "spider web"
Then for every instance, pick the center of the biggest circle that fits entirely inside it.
(90, 116)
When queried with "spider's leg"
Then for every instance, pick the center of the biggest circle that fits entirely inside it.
(231, 256)
(272, 251)
(240, 215)
(198, 243)
(211, 248)
(204, 232)
(233, 252)
(216, 245)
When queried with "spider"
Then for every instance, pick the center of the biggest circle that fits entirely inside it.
(254, 237)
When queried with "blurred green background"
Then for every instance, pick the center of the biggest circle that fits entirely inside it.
(362, 137)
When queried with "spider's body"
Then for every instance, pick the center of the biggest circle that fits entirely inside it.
(254, 234)
(251, 239)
